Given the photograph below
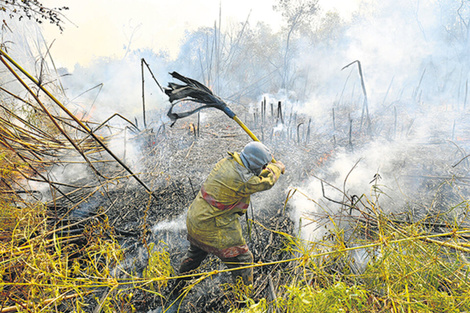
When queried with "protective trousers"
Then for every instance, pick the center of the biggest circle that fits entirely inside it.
(196, 255)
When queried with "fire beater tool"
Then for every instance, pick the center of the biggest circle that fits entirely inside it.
(197, 92)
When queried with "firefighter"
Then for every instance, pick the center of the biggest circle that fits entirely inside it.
(212, 219)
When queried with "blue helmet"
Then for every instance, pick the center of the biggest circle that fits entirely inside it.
(255, 156)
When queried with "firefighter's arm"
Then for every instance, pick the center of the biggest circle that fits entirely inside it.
(265, 180)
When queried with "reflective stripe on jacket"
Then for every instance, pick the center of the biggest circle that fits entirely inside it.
(212, 219)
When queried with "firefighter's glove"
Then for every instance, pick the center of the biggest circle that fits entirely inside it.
(281, 166)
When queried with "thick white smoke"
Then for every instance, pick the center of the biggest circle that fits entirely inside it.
(414, 62)
(121, 90)
(177, 224)
(415, 79)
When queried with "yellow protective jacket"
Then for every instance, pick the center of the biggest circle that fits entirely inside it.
(212, 219)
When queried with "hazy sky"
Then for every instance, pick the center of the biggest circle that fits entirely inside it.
(108, 28)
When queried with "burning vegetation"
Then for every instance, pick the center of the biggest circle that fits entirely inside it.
(370, 216)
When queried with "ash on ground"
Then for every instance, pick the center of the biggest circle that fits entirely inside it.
(174, 162)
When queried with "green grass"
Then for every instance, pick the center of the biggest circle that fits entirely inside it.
(410, 269)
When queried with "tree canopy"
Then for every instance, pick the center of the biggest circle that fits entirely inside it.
(33, 10)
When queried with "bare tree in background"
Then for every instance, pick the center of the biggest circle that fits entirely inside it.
(252, 59)
(455, 18)
(299, 14)
(249, 55)
(33, 10)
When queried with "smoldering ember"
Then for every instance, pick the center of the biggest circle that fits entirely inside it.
(371, 214)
